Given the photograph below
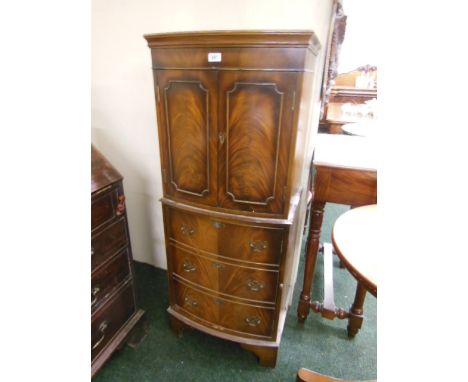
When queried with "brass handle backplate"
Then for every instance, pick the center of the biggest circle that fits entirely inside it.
(94, 292)
(187, 231)
(217, 225)
(217, 301)
(258, 245)
(189, 267)
(218, 265)
(252, 321)
(102, 329)
(191, 301)
(254, 285)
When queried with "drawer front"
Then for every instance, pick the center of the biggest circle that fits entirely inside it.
(108, 241)
(107, 321)
(103, 208)
(220, 312)
(242, 282)
(245, 242)
(108, 278)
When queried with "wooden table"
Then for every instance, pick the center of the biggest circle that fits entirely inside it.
(355, 240)
(346, 173)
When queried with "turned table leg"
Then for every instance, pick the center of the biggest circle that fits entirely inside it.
(356, 314)
(313, 242)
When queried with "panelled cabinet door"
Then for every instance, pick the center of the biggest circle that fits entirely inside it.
(255, 123)
(187, 103)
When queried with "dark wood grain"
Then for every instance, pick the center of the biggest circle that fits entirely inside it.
(225, 313)
(255, 117)
(106, 279)
(103, 174)
(230, 278)
(254, 244)
(114, 313)
(232, 157)
(187, 101)
(108, 320)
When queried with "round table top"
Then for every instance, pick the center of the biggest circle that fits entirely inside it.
(355, 239)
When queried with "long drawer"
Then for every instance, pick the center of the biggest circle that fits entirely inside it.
(229, 278)
(103, 208)
(107, 278)
(252, 243)
(106, 243)
(108, 320)
(223, 314)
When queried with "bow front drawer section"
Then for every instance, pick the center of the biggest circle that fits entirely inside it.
(224, 314)
(235, 279)
(249, 242)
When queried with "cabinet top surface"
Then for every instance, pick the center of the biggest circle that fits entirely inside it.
(102, 171)
(293, 38)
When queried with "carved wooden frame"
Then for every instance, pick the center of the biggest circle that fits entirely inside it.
(176, 186)
(336, 37)
(280, 116)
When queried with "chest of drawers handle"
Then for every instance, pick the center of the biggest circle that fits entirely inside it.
(94, 292)
(218, 265)
(254, 285)
(253, 321)
(102, 329)
(191, 301)
(217, 301)
(258, 245)
(189, 267)
(92, 251)
(187, 231)
(217, 225)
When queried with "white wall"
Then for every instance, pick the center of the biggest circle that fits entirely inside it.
(123, 107)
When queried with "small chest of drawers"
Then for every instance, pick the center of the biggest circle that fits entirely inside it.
(115, 317)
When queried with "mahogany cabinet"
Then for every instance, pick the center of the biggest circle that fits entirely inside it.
(115, 317)
(232, 112)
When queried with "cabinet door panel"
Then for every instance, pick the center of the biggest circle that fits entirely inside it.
(187, 110)
(255, 121)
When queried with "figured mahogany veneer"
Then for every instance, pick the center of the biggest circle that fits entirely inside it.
(232, 159)
(115, 318)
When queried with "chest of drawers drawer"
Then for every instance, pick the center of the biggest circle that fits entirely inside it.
(231, 278)
(224, 314)
(104, 206)
(109, 277)
(108, 241)
(256, 244)
(108, 320)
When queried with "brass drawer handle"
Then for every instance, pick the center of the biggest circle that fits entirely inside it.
(252, 321)
(217, 225)
(102, 329)
(191, 301)
(258, 245)
(189, 267)
(254, 285)
(218, 265)
(217, 301)
(187, 231)
(94, 292)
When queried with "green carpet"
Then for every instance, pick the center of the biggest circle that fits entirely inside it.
(319, 344)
